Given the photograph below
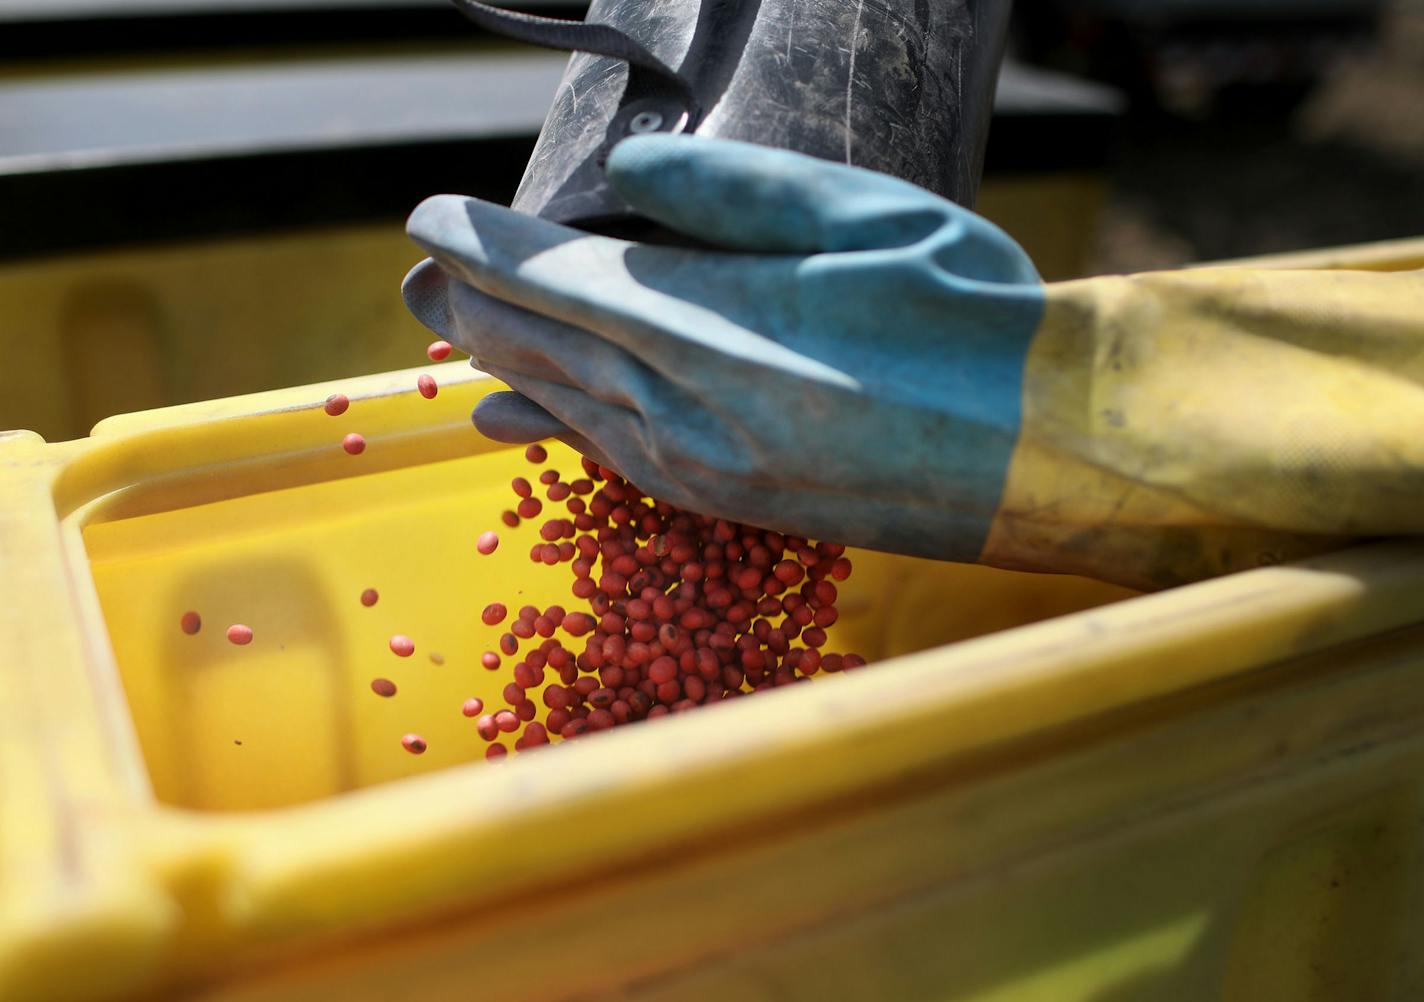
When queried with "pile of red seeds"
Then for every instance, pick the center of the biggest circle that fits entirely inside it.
(683, 610)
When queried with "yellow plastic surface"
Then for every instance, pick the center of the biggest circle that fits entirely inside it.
(1048, 790)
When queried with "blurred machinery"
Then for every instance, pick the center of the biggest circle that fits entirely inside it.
(1233, 57)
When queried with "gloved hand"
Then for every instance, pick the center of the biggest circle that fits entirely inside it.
(847, 367)
(861, 361)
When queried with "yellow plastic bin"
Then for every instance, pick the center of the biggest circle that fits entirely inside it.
(1046, 790)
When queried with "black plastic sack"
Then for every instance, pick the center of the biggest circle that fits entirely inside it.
(900, 86)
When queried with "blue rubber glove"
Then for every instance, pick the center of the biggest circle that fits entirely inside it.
(846, 364)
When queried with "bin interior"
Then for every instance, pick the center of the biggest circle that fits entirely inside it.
(292, 718)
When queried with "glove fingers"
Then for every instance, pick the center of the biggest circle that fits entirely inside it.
(746, 197)
(507, 416)
(636, 297)
(501, 335)
(425, 291)
(614, 436)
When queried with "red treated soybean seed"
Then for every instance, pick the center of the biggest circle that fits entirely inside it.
(521, 487)
(414, 743)
(402, 646)
(336, 404)
(494, 614)
(529, 508)
(239, 634)
(427, 386)
(438, 351)
(509, 643)
(496, 750)
(354, 444)
(369, 597)
(383, 687)
(473, 707)
(190, 623)
(490, 660)
(507, 721)
(488, 542)
(510, 519)
(536, 453)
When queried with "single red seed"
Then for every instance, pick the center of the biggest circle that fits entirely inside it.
(521, 487)
(438, 351)
(536, 453)
(557, 719)
(840, 570)
(488, 542)
(354, 444)
(557, 492)
(495, 751)
(383, 687)
(853, 661)
(506, 721)
(473, 707)
(490, 660)
(529, 508)
(494, 614)
(336, 404)
(549, 477)
(486, 728)
(413, 743)
(369, 597)
(402, 646)
(190, 623)
(814, 637)
(576, 624)
(427, 387)
(510, 519)
(669, 692)
(239, 634)
(573, 729)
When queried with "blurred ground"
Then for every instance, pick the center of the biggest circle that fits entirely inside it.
(1347, 166)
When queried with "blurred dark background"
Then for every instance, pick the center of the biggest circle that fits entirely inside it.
(200, 198)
